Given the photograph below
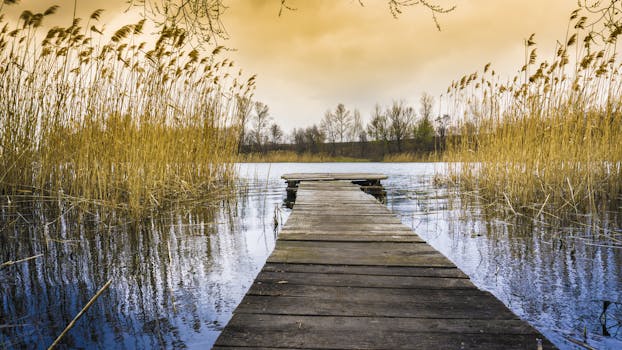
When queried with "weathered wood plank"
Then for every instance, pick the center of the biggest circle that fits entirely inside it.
(300, 211)
(368, 281)
(345, 237)
(368, 270)
(339, 210)
(329, 332)
(358, 253)
(347, 232)
(284, 299)
(333, 227)
(326, 257)
(347, 274)
(359, 247)
(350, 220)
(332, 176)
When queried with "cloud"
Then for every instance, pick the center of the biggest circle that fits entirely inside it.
(331, 51)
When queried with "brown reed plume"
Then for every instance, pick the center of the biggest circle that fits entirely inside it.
(117, 121)
(550, 139)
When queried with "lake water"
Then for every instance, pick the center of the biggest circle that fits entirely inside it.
(177, 277)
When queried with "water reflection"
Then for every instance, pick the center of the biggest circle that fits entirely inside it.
(561, 277)
(178, 276)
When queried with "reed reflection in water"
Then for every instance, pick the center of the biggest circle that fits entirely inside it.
(176, 277)
(563, 277)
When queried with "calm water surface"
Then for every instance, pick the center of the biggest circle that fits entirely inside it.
(177, 277)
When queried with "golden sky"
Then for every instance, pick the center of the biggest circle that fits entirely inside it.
(332, 51)
(335, 51)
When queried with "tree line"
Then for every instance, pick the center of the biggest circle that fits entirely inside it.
(396, 128)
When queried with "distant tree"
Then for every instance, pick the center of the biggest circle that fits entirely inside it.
(423, 131)
(400, 122)
(313, 137)
(358, 132)
(378, 128)
(298, 138)
(261, 120)
(357, 126)
(328, 126)
(243, 110)
(276, 134)
(424, 134)
(343, 122)
(442, 124)
(426, 104)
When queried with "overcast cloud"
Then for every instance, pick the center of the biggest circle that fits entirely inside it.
(332, 51)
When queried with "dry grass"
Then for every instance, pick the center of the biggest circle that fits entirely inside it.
(293, 157)
(549, 140)
(411, 157)
(113, 122)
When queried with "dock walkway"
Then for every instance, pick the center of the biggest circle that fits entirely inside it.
(346, 274)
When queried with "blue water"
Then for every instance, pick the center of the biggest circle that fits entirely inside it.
(178, 276)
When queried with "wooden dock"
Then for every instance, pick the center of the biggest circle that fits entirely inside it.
(346, 274)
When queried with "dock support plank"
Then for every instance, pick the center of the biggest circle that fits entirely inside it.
(346, 274)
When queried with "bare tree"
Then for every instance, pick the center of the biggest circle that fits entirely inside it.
(200, 18)
(336, 125)
(423, 130)
(313, 137)
(357, 126)
(442, 124)
(276, 134)
(401, 119)
(378, 128)
(261, 119)
(358, 132)
(328, 126)
(243, 111)
(605, 22)
(298, 138)
(343, 121)
(203, 18)
(426, 104)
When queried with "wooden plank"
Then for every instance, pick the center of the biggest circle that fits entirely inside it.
(359, 247)
(284, 299)
(337, 209)
(333, 202)
(367, 281)
(362, 212)
(368, 270)
(358, 253)
(354, 221)
(344, 237)
(335, 227)
(324, 257)
(332, 176)
(329, 332)
(312, 213)
(347, 274)
(347, 232)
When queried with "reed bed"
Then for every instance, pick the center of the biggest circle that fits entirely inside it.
(111, 119)
(550, 139)
(293, 157)
(411, 157)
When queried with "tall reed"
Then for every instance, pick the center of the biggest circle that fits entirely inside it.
(550, 139)
(114, 121)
